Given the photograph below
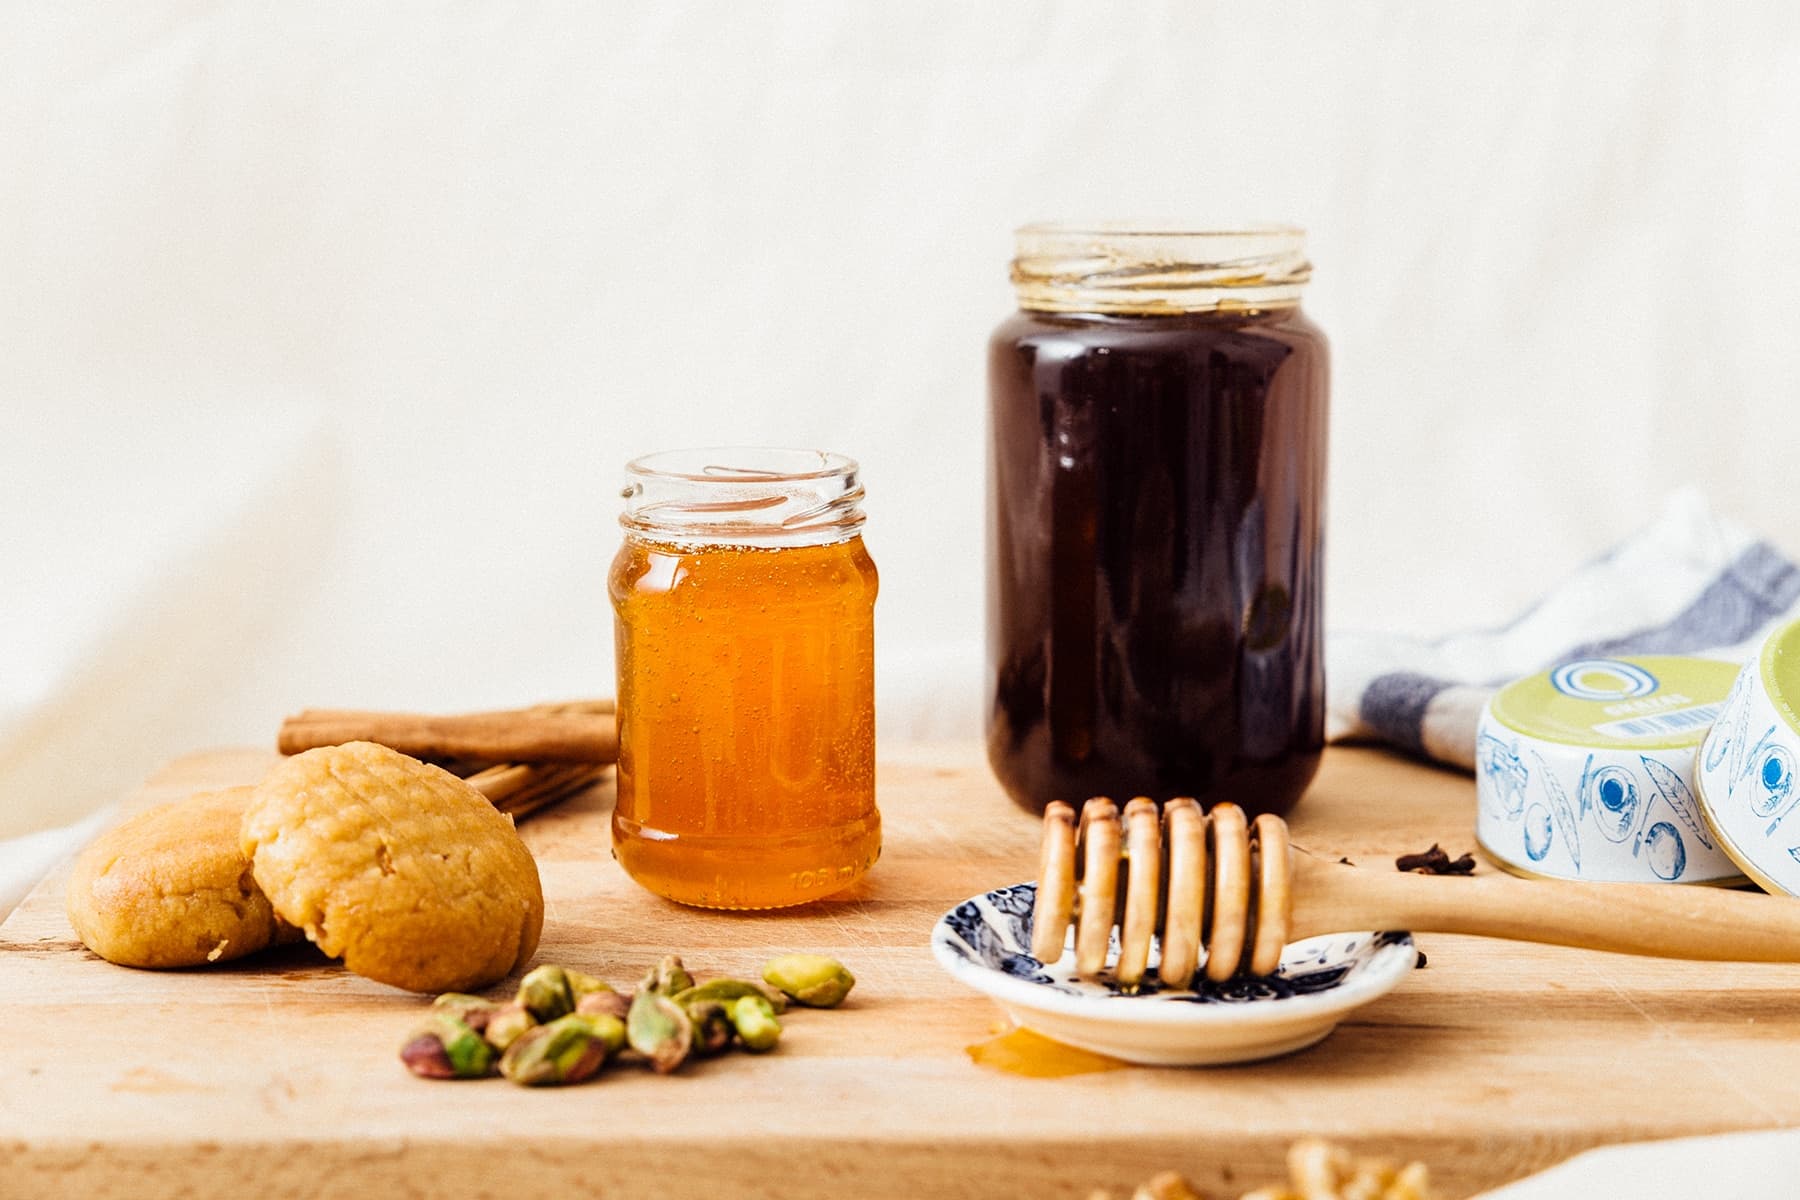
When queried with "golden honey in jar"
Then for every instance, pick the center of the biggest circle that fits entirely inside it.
(745, 621)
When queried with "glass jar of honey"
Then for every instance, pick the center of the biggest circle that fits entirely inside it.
(1156, 511)
(745, 604)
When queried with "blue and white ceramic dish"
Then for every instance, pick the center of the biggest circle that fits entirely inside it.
(984, 942)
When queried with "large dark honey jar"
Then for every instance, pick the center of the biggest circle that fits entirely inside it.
(1156, 511)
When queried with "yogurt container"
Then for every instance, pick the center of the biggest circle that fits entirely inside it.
(1747, 765)
(1586, 771)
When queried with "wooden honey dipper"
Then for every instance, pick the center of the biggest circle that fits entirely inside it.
(1240, 890)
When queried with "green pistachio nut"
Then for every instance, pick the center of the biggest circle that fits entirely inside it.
(456, 1001)
(660, 1030)
(727, 990)
(581, 985)
(473, 1011)
(608, 1003)
(713, 1029)
(506, 1023)
(756, 1023)
(570, 1049)
(668, 977)
(424, 1055)
(609, 1029)
(545, 991)
(446, 1048)
(812, 979)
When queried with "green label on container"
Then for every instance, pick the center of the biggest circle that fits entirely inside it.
(1654, 702)
(1781, 672)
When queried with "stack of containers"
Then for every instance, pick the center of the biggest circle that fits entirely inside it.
(1652, 769)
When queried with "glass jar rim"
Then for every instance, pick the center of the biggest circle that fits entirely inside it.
(743, 496)
(1156, 267)
(718, 464)
(1140, 228)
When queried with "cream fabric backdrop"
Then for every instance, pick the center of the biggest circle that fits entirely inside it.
(325, 328)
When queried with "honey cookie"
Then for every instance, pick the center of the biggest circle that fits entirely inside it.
(399, 868)
(171, 887)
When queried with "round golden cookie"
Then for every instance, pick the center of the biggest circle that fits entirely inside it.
(399, 868)
(171, 887)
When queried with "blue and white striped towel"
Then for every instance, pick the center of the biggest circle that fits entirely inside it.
(1691, 583)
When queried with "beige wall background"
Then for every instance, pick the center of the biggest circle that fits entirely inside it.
(324, 329)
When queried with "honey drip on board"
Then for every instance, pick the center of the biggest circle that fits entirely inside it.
(746, 774)
(1019, 1051)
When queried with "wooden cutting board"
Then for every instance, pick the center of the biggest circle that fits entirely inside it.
(278, 1077)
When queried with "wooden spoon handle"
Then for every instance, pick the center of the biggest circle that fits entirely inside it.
(1629, 918)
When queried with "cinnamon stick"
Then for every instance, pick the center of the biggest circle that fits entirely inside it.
(522, 790)
(581, 732)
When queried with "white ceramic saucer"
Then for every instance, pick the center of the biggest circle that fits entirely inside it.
(984, 942)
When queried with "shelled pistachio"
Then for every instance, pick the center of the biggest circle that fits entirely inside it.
(668, 977)
(446, 1048)
(812, 979)
(713, 1029)
(756, 1023)
(545, 991)
(608, 1003)
(562, 1025)
(473, 1011)
(660, 1030)
(583, 985)
(506, 1023)
(570, 1049)
(726, 990)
